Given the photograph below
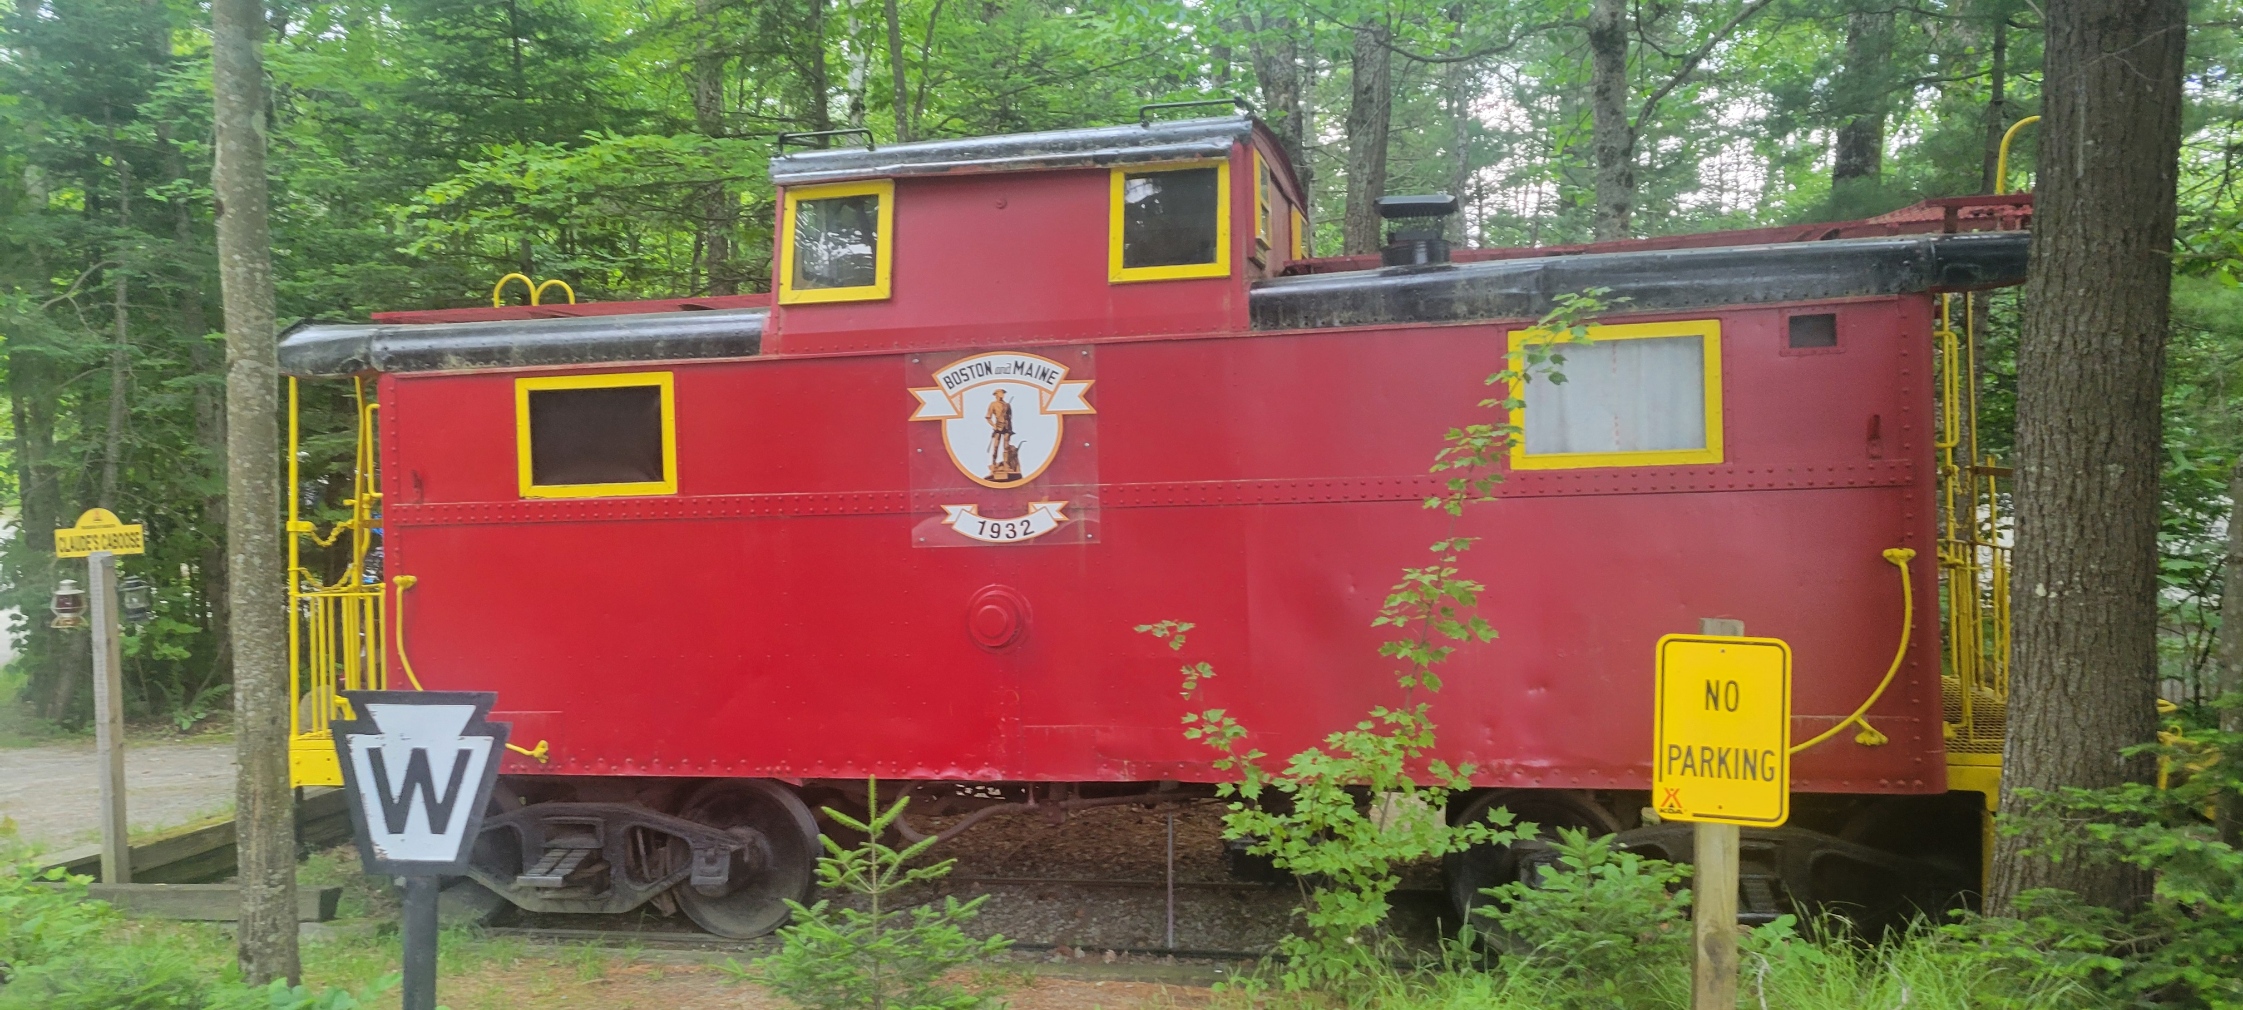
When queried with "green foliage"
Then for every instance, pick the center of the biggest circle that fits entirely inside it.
(1347, 816)
(42, 915)
(1605, 920)
(2185, 946)
(880, 957)
(127, 977)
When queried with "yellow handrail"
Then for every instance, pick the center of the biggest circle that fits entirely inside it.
(537, 289)
(404, 582)
(2001, 157)
(1869, 737)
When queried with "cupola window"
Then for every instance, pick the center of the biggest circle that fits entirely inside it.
(1171, 221)
(837, 243)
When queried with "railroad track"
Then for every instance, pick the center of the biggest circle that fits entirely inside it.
(694, 940)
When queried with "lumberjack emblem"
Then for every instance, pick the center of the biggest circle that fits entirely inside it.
(1004, 418)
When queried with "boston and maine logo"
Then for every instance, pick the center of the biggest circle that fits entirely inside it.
(1004, 418)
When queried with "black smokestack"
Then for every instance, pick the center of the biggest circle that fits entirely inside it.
(1418, 223)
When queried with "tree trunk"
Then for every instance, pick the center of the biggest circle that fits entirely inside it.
(1457, 94)
(1370, 111)
(120, 311)
(210, 414)
(813, 66)
(1275, 50)
(1863, 97)
(895, 72)
(719, 210)
(2090, 366)
(2228, 659)
(54, 660)
(264, 812)
(1612, 139)
(1997, 102)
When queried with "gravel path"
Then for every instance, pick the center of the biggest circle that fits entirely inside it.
(53, 793)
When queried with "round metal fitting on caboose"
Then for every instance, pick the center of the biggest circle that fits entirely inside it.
(997, 617)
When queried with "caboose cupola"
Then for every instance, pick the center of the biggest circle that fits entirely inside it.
(1030, 238)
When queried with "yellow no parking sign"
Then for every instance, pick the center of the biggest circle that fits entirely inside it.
(1721, 748)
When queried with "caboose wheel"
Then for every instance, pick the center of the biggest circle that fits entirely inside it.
(781, 861)
(1485, 866)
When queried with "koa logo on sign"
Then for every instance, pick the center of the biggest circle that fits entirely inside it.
(419, 767)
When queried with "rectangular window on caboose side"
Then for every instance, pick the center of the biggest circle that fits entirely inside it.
(1170, 222)
(1641, 394)
(596, 436)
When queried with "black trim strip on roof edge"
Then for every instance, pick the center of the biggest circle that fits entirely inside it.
(1650, 281)
(314, 349)
(1093, 146)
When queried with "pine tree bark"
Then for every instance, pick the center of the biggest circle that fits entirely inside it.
(1274, 47)
(1370, 114)
(1612, 139)
(264, 814)
(2090, 371)
(2228, 657)
(719, 211)
(54, 663)
(896, 74)
(1997, 100)
(1863, 98)
(812, 63)
(120, 361)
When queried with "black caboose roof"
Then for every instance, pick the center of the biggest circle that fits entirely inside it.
(1650, 280)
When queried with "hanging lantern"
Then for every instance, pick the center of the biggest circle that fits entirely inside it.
(137, 600)
(69, 606)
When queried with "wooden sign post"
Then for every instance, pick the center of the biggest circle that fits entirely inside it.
(1721, 757)
(99, 537)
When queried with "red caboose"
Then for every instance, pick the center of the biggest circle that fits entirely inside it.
(722, 559)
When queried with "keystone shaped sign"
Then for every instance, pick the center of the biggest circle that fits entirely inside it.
(419, 767)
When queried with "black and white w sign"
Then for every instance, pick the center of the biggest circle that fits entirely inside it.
(419, 766)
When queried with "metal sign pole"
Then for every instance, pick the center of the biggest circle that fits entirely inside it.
(419, 767)
(109, 715)
(420, 943)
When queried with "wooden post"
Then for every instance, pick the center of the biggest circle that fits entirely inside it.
(109, 715)
(1713, 919)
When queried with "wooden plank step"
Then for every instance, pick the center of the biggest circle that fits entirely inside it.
(204, 854)
(202, 902)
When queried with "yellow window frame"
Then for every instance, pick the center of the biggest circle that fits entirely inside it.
(1300, 234)
(883, 247)
(664, 381)
(1221, 267)
(1263, 225)
(1709, 330)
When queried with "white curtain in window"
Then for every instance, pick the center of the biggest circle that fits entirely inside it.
(1641, 394)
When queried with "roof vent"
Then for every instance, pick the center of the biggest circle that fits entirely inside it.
(1419, 220)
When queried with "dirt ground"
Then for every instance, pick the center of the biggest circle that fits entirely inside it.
(53, 794)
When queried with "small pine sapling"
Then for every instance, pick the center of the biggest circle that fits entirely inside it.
(882, 956)
(1347, 816)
